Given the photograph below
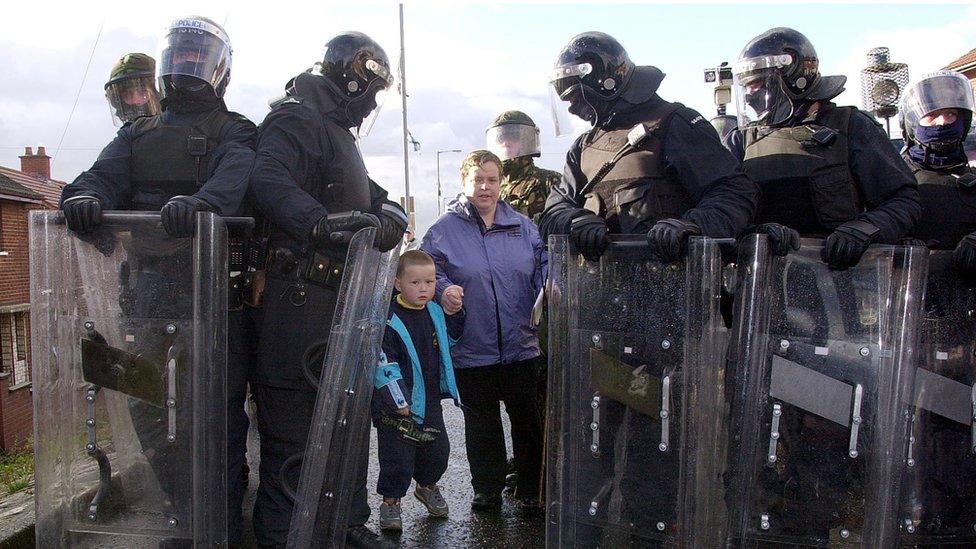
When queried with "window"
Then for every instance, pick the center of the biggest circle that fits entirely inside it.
(13, 347)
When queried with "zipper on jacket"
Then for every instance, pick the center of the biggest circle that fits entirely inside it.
(498, 316)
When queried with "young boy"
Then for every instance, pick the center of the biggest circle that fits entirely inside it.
(415, 372)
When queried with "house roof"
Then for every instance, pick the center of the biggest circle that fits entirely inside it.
(10, 187)
(48, 190)
(968, 60)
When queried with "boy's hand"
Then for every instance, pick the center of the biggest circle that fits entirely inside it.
(405, 411)
(452, 299)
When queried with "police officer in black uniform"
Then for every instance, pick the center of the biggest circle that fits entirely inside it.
(648, 166)
(824, 170)
(309, 181)
(936, 116)
(940, 486)
(195, 156)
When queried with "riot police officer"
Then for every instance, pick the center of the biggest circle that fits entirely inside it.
(824, 170)
(654, 168)
(647, 166)
(131, 88)
(514, 137)
(937, 112)
(194, 156)
(309, 182)
(939, 484)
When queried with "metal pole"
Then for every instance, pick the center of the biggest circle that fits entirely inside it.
(440, 202)
(403, 99)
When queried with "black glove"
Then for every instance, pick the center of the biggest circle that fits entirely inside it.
(335, 229)
(782, 239)
(964, 257)
(82, 213)
(179, 215)
(393, 223)
(668, 238)
(845, 246)
(588, 233)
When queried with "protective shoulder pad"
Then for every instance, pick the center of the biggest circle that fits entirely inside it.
(284, 100)
(238, 117)
(839, 118)
(689, 115)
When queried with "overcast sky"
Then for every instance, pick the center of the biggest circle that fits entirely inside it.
(465, 63)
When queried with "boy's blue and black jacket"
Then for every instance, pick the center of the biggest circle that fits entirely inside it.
(416, 368)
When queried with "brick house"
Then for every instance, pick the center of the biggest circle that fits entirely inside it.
(21, 191)
(965, 64)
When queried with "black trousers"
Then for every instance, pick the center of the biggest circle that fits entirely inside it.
(242, 340)
(283, 423)
(481, 389)
(400, 460)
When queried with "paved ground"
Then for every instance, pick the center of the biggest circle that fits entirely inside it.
(461, 529)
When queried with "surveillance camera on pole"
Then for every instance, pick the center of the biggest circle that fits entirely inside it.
(882, 84)
(720, 78)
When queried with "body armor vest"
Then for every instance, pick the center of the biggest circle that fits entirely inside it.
(636, 192)
(803, 173)
(340, 183)
(169, 159)
(948, 206)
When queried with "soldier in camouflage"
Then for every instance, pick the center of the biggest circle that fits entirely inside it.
(131, 88)
(514, 137)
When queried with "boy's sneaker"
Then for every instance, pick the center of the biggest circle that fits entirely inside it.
(432, 499)
(390, 518)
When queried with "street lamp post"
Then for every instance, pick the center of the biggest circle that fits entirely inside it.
(439, 200)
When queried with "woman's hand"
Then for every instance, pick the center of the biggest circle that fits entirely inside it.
(405, 411)
(452, 298)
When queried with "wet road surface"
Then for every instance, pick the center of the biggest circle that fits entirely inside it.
(463, 528)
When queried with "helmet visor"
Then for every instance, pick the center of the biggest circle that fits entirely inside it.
(374, 102)
(940, 90)
(131, 98)
(761, 99)
(567, 97)
(510, 141)
(195, 48)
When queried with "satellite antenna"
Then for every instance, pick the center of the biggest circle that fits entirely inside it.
(882, 83)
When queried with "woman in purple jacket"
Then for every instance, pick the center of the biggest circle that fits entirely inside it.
(492, 255)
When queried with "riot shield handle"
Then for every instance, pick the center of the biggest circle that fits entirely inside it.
(286, 488)
(104, 467)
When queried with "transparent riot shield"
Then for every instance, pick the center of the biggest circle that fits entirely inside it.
(339, 434)
(128, 329)
(822, 365)
(939, 481)
(636, 413)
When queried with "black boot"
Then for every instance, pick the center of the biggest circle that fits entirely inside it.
(364, 538)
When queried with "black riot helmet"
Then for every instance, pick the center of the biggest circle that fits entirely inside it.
(776, 74)
(356, 69)
(194, 57)
(593, 73)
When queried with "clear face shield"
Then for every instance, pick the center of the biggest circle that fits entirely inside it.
(567, 97)
(937, 91)
(130, 98)
(197, 49)
(509, 141)
(760, 95)
(373, 100)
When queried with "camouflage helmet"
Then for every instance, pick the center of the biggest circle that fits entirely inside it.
(513, 117)
(513, 134)
(131, 88)
(132, 65)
